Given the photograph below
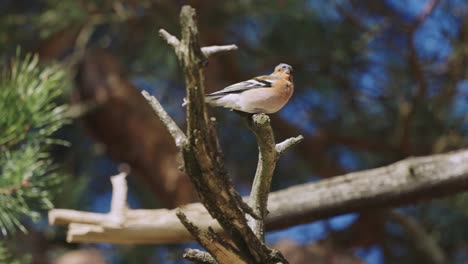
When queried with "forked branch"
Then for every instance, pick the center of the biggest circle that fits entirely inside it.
(203, 158)
(268, 154)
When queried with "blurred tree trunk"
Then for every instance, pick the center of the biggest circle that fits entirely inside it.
(122, 121)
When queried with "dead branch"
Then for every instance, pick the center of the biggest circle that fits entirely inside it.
(407, 181)
(421, 239)
(203, 158)
(268, 153)
(408, 109)
(179, 137)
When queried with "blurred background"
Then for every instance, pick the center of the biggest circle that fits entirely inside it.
(376, 81)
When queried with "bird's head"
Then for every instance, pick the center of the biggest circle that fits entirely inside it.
(283, 68)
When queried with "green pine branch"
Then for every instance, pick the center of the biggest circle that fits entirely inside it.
(30, 116)
(6, 255)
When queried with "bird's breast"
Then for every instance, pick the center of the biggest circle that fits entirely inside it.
(288, 89)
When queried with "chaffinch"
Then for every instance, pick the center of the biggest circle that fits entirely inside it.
(262, 94)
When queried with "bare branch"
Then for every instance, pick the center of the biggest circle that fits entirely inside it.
(65, 216)
(202, 155)
(118, 205)
(408, 109)
(179, 137)
(260, 126)
(219, 249)
(286, 144)
(427, 11)
(407, 181)
(268, 153)
(421, 239)
(208, 51)
(160, 226)
(170, 39)
(199, 256)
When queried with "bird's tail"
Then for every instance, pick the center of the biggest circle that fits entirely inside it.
(212, 99)
(209, 99)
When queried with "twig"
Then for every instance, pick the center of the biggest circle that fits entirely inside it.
(170, 39)
(198, 256)
(427, 11)
(208, 51)
(66, 216)
(220, 250)
(409, 109)
(286, 144)
(9, 190)
(423, 241)
(119, 199)
(88, 29)
(179, 137)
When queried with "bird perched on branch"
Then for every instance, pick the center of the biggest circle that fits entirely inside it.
(262, 94)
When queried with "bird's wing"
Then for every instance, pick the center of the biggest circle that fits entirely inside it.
(257, 82)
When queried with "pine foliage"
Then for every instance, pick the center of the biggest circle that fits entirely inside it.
(29, 117)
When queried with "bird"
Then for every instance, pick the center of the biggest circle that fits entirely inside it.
(262, 94)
